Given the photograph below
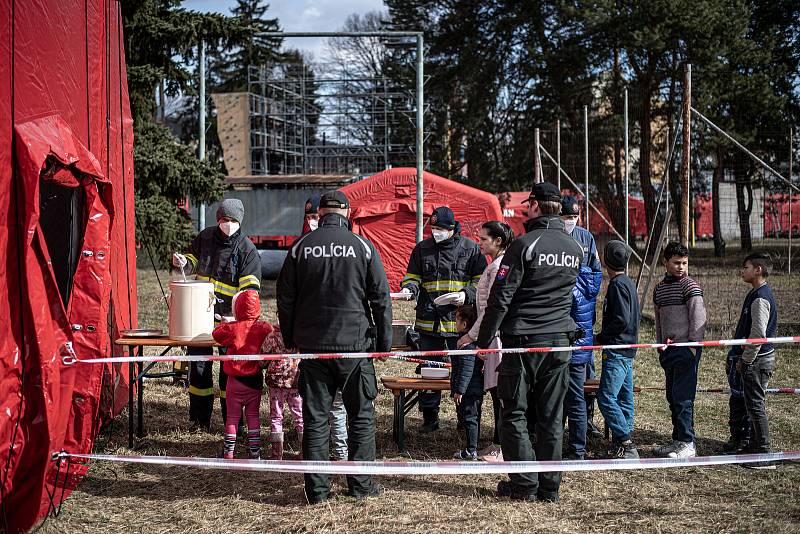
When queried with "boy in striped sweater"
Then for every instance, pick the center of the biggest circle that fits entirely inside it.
(680, 316)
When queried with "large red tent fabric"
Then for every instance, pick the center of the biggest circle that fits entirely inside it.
(384, 208)
(67, 238)
(515, 211)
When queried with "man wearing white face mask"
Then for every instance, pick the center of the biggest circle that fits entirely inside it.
(311, 217)
(445, 267)
(579, 408)
(223, 256)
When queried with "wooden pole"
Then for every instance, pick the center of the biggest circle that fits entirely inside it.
(687, 154)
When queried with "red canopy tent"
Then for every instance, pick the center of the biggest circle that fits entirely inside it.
(66, 194)
(515, 209)
(384, 208)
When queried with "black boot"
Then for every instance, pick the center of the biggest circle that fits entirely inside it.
(430, 420)
(591, 430)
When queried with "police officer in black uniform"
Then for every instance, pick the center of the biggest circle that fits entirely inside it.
(224, 256)
(333, 296)
(530, 305)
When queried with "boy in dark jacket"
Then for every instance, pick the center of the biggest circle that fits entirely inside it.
(755, 363)
(621, 318)
(466, 385)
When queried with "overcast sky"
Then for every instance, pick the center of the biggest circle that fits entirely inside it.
(301, 15)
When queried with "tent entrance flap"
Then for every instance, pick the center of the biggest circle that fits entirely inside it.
(61, 217)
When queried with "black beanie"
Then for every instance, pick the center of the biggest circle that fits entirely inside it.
(616, 255)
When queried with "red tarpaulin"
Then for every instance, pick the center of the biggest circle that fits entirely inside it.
(66, 142)
(384, 208)
(516, 213)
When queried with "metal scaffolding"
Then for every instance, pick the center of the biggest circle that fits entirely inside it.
(324, 119)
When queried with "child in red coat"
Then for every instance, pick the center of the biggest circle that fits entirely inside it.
(244, 335)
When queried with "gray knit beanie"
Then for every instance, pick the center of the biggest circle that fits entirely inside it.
(231, 208)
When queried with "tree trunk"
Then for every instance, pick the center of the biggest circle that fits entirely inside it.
(719, 172)
(645, 153)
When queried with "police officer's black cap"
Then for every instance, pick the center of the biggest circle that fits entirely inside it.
(570, 205)
(545, 192)
(443, 217)
(334, 199)
(312, 204)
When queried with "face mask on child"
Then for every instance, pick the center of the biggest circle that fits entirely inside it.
(441, 235)
(313, 224)
(569, 225)
(229, 228)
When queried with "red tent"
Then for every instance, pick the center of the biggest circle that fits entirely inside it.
(385, 206)
(66, 195)
(516, 213)
(515, 209)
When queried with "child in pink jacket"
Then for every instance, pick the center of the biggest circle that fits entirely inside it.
(282, 381)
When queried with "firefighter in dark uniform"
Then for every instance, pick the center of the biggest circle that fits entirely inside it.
(225, 257)
(446, 263)
(530, 305)
(333, 296)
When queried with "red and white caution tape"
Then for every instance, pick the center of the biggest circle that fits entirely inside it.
(430, 363)
(727, 391)
(434, 468)
(70, 358)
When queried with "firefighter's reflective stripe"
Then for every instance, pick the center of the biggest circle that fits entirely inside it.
(222, 394)
(249, 280)
(201, 392)
(444, 285)
(219, 287)
(410, 278)
(426, 326)
(192, 259)
(448, 327)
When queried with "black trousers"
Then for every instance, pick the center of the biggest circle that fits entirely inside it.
(430, 400)
(201, 388)
(755, 379)
(532, 388)
(319, 381)
(739, 421)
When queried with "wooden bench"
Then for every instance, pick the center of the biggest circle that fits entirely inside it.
(406, 391)
(403, 402)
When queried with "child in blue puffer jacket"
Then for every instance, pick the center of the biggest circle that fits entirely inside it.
(577, 408)
(466, 386)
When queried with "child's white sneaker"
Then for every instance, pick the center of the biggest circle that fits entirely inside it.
(683, 450)
(664, 451)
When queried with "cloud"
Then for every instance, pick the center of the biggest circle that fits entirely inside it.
(301, 16)
(312, 12)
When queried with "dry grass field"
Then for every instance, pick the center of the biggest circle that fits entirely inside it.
(133, 498)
